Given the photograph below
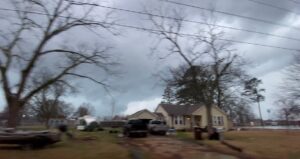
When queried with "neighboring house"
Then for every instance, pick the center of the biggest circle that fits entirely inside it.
(189, 116)
(143, 114)
(84, 121)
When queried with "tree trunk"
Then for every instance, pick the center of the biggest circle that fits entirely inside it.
(261, 119)
(14, 110)
(47, 123)
(287, 119)
(209, 119)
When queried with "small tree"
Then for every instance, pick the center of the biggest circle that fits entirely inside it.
(46, 109)
(288, 108)
(84, 109)
(253, 92)
(47, 104)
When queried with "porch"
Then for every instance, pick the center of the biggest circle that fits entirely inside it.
(187, 121)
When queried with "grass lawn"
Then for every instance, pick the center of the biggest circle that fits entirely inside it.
(266, 144)
(103, 146)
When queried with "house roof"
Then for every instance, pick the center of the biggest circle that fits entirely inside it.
(160, 115)
(140, 112)
(172, 109)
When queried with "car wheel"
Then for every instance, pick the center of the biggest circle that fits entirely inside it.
(144, 135)
(27, 147)
(151, 132)
(126, 133)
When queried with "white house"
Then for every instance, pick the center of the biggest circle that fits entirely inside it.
(188, 116)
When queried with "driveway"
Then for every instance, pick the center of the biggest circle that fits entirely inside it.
(161, 147)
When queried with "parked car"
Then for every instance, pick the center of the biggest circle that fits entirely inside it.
(158, 127)
(135, 127)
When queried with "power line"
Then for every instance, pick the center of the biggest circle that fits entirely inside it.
(222, 39)
(159, 31)
(231, 14)
(274, 6)
(198, 22)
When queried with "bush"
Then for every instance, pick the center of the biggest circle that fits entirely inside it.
(100, 128)
(92, 126)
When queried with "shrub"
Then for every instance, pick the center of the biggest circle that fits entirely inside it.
(92, 126)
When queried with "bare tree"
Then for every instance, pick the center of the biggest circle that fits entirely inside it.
(288, 109)
(291, 85)
(289, 102)
(46, 109)
(84, 109)
(47, 103)
(210, 64)
(239, 110)
(29, 39)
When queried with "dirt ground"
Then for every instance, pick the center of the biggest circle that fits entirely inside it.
(270, 144)
(162, 147)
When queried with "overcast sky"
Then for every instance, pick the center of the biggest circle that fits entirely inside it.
(136, 88)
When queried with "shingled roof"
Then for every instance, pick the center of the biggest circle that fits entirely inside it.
(142, 111)
(173, 109)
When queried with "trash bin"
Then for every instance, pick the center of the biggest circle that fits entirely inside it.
(221, 134)
(63, 128)
(217, 134)
(197, 133)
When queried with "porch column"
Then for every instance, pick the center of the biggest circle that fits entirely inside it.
(193, 120)
(172, 119)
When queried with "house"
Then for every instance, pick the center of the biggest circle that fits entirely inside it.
(143, 114)
(188, 116)
(84, 121)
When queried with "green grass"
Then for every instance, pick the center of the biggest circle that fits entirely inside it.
(275, 144)
(104, 146)
(184, 135)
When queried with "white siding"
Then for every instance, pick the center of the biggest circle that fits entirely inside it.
(216, 113)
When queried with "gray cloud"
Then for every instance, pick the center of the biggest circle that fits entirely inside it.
(132, 48)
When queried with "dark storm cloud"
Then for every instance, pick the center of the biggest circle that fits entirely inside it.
(132, 48)
(265, 60)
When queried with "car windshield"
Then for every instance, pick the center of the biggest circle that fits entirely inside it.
(157, 122)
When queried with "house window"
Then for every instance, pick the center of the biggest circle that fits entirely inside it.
(220, 120)
(215, 122)
(178, 120)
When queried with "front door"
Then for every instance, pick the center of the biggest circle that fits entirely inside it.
(197, 120)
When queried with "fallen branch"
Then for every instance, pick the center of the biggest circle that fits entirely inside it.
(233, 147)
